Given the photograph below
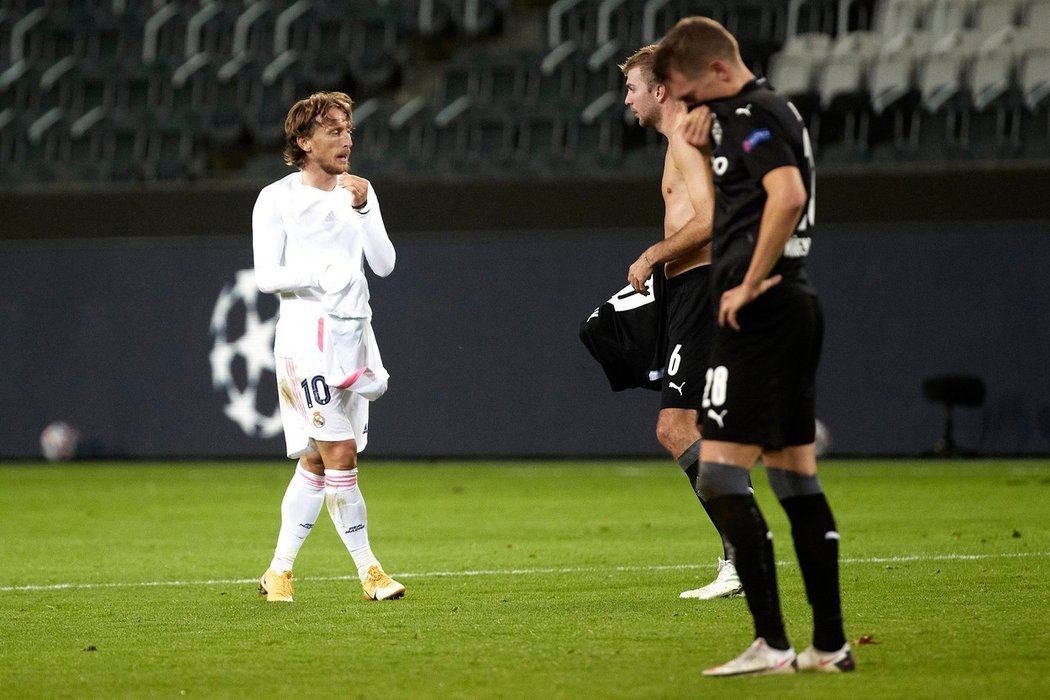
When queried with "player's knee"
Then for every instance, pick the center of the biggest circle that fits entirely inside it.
(665, 434)
(312, 462)
(341, 456)
(676, 431)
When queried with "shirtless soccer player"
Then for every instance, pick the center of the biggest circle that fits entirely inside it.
(685, 258)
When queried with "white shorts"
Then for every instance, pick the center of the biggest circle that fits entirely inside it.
(311, 410)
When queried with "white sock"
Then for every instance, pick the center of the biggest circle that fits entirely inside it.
(299, 511)
(346, 506)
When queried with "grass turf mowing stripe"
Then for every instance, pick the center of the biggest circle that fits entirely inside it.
(518, 572)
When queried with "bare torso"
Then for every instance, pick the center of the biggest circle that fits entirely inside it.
(678, 211)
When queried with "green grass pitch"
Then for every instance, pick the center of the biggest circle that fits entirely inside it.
(524, 580)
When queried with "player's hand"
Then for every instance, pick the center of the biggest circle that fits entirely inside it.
(356, 186)
(638, 273)
(740, 296)
(695, 126)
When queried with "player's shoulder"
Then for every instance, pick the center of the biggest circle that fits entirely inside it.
(282, 185)
(771, 105)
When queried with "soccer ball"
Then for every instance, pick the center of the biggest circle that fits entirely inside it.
(59, 441)
(823, 439)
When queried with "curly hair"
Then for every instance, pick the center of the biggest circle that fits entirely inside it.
(305, 116)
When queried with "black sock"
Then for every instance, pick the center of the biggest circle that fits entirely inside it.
(739, 518)
(817, 548)
(690, 464)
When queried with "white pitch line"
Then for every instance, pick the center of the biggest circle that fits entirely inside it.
(519, 572)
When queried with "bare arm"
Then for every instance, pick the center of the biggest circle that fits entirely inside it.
(785, 201)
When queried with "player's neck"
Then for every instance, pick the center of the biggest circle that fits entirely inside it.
(739, 78)
(315, 176)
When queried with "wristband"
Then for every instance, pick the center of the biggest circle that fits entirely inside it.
(359, 207)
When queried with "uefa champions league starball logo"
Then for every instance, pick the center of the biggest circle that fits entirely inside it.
(242, 365)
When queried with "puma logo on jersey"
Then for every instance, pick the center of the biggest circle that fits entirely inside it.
(718, 417)
(677, 387)
(746, 110)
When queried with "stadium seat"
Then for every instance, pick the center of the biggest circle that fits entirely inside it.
(845, 107)
(894, 100)
(995, 123)
(808, 44)
(794, 76)
(893, 17)
(658, 16)
(13, 124)
(991, 16)
(410, 135)
(374, 56)
(572, 21)
(85, 156)
(759, 27)
(1036, 19)
(943, 117)
(253, 32)
(557, 77)
(491, 138)
(477, 18)
(45, 137)
(591, 82)
(794, 69)
(230, 94)
(125, 144)
(171, 152)
(1034, 85)
(945, 16)
(210, 30)
(164, 36)
(594, 138)
(279, 85)
(810, 17)
(139, 89)
(324, 42)
(542, 139)
(508, 79)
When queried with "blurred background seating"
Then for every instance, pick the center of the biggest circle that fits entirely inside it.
(115, 90)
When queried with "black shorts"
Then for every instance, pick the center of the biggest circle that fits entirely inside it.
(760, 387)
(690, 327)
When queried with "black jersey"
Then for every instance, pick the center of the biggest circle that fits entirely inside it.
(753, 133)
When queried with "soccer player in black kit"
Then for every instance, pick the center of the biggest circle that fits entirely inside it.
(760, 382)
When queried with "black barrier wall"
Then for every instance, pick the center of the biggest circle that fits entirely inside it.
(155, 350)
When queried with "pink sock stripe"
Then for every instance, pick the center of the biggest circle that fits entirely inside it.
(340, 480)
(310, 478)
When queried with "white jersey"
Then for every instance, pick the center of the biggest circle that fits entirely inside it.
(308, 242)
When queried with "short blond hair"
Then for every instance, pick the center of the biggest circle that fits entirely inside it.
(642, 59)
(305, 116)
(691, 45)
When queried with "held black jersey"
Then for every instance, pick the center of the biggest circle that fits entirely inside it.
(752, 133)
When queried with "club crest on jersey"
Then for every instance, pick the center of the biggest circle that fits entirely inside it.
(754, 138)
(716, 131)
(318, 419)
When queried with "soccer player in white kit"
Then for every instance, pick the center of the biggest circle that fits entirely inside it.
(312, 231)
